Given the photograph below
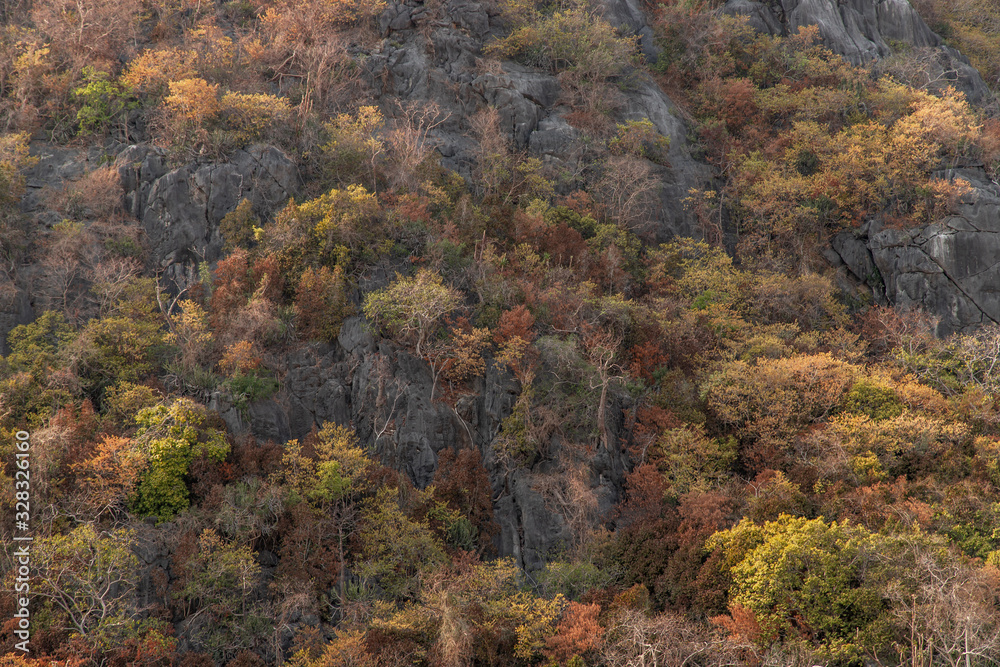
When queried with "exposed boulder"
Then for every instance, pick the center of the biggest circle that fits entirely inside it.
(949, 269)
(180, 209)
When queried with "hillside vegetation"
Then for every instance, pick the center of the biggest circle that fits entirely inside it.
(799, 475)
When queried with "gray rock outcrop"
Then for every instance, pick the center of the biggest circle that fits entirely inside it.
(180, 209)
(431, 55)
(863, 31)
(383, 392)
(949, 269)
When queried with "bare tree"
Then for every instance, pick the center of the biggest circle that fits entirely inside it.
(409, 141)
(602, 346)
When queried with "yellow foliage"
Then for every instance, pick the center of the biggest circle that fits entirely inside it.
(249, 116)
(774, 399)
(339, 216)
(153, 70)
(193, 101)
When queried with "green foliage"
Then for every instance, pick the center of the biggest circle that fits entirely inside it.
(569, 38)
(640, 138)
(956, 364)
(172, 437)
(412, 308)
(220, 581)
(335, 471)
(321, 303)
(808, 580)
(103, 102)
(86, 574)
(395, 550)
(237, 226)
(572, 578)
(692, 461)
(250, 387)
(36, 347)
(875, 401)
(119, 348)
(354, 147)
(124, 400)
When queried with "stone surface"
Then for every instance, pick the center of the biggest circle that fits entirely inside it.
(950, 269)
(180, 209)
(433, 58)
(863, 31)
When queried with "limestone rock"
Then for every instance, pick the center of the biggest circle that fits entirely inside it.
(862, 31)
(949, 269)
(180, 209)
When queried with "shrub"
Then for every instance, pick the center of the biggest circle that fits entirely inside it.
(104, 103)
(773, 400)
(573, 38)
(238, 226)
(88, 32)
(807, 580)
(247, 118)
(875, 401)
(321, 303)
(172, 437)
(640, 138)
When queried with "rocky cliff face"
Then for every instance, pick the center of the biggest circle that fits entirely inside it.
(865, 30)
(383, 392)
(950, 268)
(180, 209)
(430, 55)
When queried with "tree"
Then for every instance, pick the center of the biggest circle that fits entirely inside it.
(396, 551)
(328, 483)
(321, 303)
(412, 308)
(172, 437)
(602, 347)
(220, 582)
(456, 353)
(808, 580)
(947, 607)
(88, 31)
(86, 574)
(108, 479)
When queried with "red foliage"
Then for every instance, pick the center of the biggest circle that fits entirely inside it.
(650, 422)
(515, 323)
(564, 245)
(578, 633)
(885, 328)
(647, 357)
(462, 482)
(580, 202)
(308, 549)
(237, 279)
(251, 459)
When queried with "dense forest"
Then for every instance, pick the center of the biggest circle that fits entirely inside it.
(351, 333)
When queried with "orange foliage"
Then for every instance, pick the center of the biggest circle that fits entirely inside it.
(515, 323)
(740, 623)
(578, 632)
(108, 478)
(238, 281)
(239, 359)
(768, 403)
